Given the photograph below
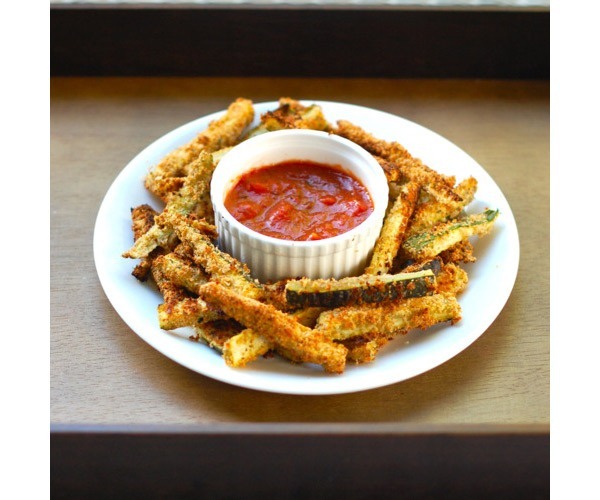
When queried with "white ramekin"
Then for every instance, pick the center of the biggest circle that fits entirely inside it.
(271, 259)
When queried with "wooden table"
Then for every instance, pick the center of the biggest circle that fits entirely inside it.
(108, 386)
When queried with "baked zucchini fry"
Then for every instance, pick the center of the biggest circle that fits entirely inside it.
(245, 347)
(218, 264)
(392, 232)
(433, 212)
(248, 345)
(430, 243)
(181, 271)
(353, 290)
(178, 308)
(384, 320)
(171, 292)
(191, 198)
(222, 132)
(408, 166)
(142, 220)
(304, 344)
(165, 187)
(291, 114)
(188, 311)
(199, 170)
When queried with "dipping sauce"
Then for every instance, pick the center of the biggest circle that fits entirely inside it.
(299, 200)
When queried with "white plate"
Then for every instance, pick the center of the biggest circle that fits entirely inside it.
(491, 278)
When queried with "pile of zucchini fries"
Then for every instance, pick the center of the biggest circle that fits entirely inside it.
(411, 282)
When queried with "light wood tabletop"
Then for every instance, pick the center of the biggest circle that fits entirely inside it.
(102, 373)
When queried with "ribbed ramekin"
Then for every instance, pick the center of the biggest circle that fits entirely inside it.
(271, 259)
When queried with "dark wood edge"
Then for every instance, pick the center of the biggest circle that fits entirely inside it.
(300, 42)
(300, 461)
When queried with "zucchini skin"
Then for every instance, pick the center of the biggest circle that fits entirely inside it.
(428, 244)
(358, 290)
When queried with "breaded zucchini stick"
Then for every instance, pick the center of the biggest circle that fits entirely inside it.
(245, 347)
(383, 320)
(142, 220)
(181, 271)
(220, 133)
(330, 293)
(248, 345)
(432, 212)
(188, 311)
(392, 232)
(167, 186)
(428, 244)
(192, 198)
(408, 166)
(171, 292)
(218, 264)
(179, 308)
(303, 343)
(291, 114)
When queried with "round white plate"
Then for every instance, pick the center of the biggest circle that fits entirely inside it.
(491, 278)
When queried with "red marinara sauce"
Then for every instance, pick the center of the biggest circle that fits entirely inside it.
(299, 200)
